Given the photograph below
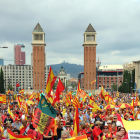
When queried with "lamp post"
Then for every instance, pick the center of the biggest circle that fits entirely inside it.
(4, 47)
(15, 69)
(131, 82)
(125, 85)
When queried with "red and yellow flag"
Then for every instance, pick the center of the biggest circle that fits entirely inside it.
(68, 102)
(32, 96)
(3, 99)
(21, 91)
(19, 102)
(94, 81)
(83, 137)
(50, 81)
(11, 114)
(76, 122)
(76, 103)
(78, 88)
(13, 136)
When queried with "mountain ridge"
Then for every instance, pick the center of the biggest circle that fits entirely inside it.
(72, 69)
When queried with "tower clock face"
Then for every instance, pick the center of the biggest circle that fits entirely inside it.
(90, 37)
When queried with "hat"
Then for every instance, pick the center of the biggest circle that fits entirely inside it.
(109, 135)
(8, 114)
(109, 121)
(98, 122)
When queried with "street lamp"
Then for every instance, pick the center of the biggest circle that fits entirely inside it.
(131, 82)
(125, 85)
(4, 47)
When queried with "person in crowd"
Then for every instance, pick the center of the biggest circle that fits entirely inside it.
(67, 113)
(8, 120)
(24, 128)
(59, 129)
(16, 131)
(16, 124)
(118, 123)
(1, 135)
(4, 116)
(118, 136)
(124, 133)
(10, 127)
(97, 131)
(65, 135)
(49, 137)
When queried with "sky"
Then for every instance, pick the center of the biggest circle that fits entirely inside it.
(117, 23)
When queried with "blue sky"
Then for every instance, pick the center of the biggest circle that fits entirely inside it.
(117, 23)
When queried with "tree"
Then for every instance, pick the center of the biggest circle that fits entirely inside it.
(1, 81)
(10, 87)
(114, 87)
(127, 82)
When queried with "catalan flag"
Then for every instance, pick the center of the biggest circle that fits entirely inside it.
(83, 137)
(44, 116)
(3, 99)
(102, 94)
(50, 81)
(8, 92)
(94, 81)
(76, 103)
(13, 136)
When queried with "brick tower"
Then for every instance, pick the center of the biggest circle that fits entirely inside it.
(38, 43)
(89, 58)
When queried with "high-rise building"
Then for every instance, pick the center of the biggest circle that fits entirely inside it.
(38, 57)
(89, 58)
(1, 61)
(19, 54)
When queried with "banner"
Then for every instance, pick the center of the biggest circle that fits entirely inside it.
(134, 135)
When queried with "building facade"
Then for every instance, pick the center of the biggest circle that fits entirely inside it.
(108, 75)
(129, 66)
(1, 61)
(89, 58)
(22, 74)
(19, 55)
(137, 74)
(63, 76)
(38, 56)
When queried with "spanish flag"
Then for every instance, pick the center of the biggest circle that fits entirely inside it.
(94, 81)
(11, 114)
(13, 136)
(83, 137)
(50, 81)
(21, 91)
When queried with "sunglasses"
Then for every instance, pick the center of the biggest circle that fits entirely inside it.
(61, 124)
(106, 128)
(115, 118)
(68, 126)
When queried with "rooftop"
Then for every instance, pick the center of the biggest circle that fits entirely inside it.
(38, 28)
(111, 67)
(90, 28)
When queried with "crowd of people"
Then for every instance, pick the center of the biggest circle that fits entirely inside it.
(102, 124)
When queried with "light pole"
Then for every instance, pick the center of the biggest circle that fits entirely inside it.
(15, 69)
(125, 85)
(117, 80)
(131, 83)
(4, 47)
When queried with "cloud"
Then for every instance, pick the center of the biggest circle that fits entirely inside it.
(64, 22)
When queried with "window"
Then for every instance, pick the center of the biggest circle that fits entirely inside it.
(38, 37)
(111, 78)
(107, 81)
(90, 38)
(107, 78)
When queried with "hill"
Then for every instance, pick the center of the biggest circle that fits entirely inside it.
(72, 69)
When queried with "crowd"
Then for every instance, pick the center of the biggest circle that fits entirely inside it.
(100, 124)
